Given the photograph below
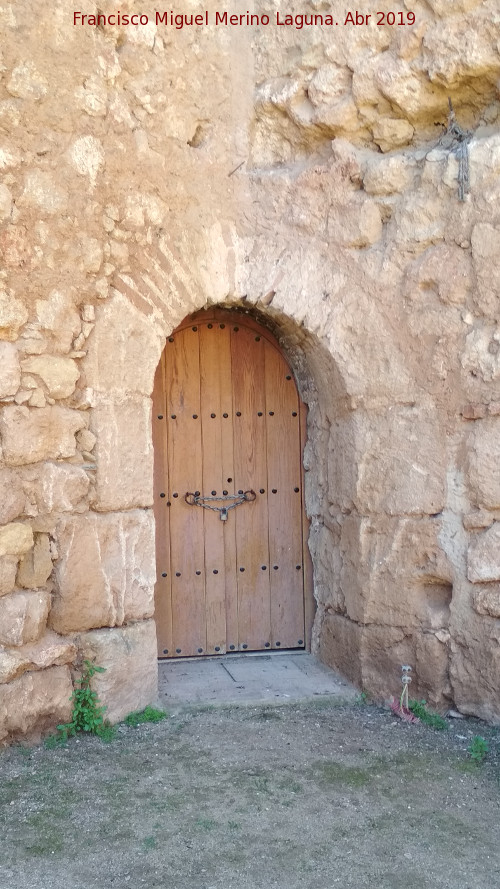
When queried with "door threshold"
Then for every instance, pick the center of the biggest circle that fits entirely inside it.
(232, 654)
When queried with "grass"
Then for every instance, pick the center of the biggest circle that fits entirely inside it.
(337, 773)
(426, 716)
(149, 714)
(478, 749)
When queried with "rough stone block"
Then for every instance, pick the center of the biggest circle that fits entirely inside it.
(124, 350)
(486, 258)
(392, 175)
(325, 551)
(481, 356)
(397, 462)
(12, 499)
(420, 219)
(35, 703)
(59, 374)
(474, 411)
(59, 319)
(390, 133)
(50, 650)
(355, 225)
(431, 676)
(15, 539)
(124, 460)
(53, 487)
(10, 371)
(43, 191)
(23, 617)
(383, 650)
(340, 646)
(475, 666)
(13, 315)
(487, 600)
(106, 571)
(445, 269)
(484, 463)
(394, 572)
(8, 571)
(36, 435)
(129, 657)
(483, 557)
(380, 368)
(36, 566)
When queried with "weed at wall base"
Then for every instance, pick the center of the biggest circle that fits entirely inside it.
(88, 713)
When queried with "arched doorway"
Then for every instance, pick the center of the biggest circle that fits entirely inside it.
(233, 569)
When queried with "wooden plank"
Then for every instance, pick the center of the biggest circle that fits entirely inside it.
(215, 371)
(228, 476)
(163, 585)
(284, 482)
(249, 436)
(182, 368)
(309, 601)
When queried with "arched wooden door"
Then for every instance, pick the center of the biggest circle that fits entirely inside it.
(232, 573)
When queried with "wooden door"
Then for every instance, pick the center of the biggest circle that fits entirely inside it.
(228, 430)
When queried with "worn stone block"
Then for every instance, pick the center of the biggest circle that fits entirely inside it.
(15, 539)
(50, 650)
(357, 225)
(397, 462)
(12, 498)
(124, 476)
(392, 175)
(123, 351)
(445, 269)
(431, 676)
(35, 703)
(23, 617)
(383, 650)
(8, 571)
(487, 600)
(483, 464)
(394, 572)
(340, 646)
(59, 318)
(36, 435)
(53, 487)
(10, 371)
(13, 315)
(390, 133)
(475, 666)
(106, 571)
(483, 557)
(481, 356)
(486, 258)
(128, 655)
(36, 566)
(325, 551)
(59, 374)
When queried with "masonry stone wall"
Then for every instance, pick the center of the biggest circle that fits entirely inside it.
(302, 173)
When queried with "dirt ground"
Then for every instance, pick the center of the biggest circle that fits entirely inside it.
(310, 796)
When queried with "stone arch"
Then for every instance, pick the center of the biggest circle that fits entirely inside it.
(364, 407)
(360, 384)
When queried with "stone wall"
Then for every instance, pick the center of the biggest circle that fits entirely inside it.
(303, 173)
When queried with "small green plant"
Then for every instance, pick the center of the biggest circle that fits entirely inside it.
(478, 748)
(361, 699)
(88, 713)
(426, 716)
(149, 714)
